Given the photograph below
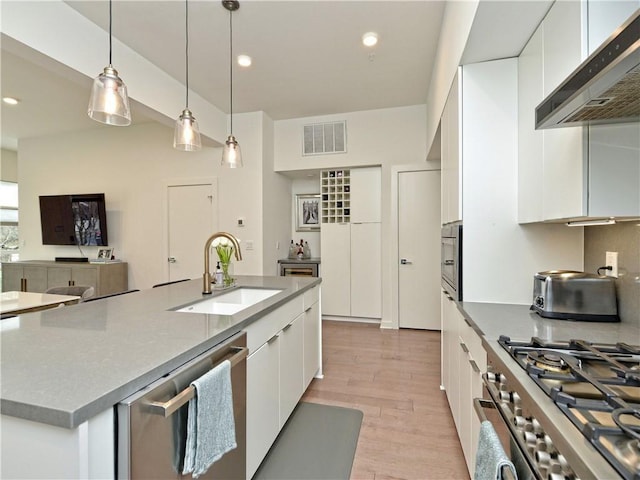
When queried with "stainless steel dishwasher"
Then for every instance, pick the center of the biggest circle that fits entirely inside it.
(151, 424)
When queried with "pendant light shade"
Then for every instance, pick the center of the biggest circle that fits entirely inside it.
(186, 136)
(231, 156)
(109, 102)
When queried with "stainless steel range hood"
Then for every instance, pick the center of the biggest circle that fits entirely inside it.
(605, 88)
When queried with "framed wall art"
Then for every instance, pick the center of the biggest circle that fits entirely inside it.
(307, 212)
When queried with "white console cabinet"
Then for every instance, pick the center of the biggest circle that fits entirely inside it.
(38, 276)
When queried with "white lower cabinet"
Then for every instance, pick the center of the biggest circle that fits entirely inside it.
(312, 341)
(463, 361)
(284, 356)
(352, 269)
(291, 342)
(263, 402)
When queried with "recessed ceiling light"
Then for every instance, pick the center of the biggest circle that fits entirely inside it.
(369, 39)
(244, 60)
(10, 100)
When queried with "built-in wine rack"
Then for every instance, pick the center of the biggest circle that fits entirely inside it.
(335, 188)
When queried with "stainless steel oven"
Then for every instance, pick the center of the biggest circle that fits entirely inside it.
(502, 420)
(451, 259)
(536, 446)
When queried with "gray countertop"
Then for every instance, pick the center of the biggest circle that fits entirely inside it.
(491, 320)
(519, 323)
(65, 365)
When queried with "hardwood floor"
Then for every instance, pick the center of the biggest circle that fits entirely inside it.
(393, 377)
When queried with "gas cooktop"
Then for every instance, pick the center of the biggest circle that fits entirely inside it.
(597, 386)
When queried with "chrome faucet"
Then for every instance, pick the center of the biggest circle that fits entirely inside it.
(206, 278)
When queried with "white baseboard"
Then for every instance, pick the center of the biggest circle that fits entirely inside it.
(351, 319)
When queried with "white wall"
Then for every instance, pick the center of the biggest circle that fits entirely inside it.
(53, 28)
(8, 165)
(386, 137)
(373, 137)
(500, 257)
(132, 166)
(298, 186)
(276, 206)
(456, 25)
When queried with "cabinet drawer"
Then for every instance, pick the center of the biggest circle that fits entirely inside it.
(260, 331)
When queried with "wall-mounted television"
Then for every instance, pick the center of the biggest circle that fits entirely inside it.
(79, 219)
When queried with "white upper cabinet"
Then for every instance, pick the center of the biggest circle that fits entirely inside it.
(450, 156)
(573, 172)
(366, 201)
(604, 16)
(529, 139)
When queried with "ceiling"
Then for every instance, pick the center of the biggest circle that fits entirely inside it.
(308, 58)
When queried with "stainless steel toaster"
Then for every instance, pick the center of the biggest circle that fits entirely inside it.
(571, 295)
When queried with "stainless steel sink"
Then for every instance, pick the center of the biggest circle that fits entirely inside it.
(230, 302)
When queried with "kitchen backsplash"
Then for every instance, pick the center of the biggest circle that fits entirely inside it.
(623, 238)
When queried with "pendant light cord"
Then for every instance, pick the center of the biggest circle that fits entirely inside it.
(110, 44)
(186, 53)
(231, 69)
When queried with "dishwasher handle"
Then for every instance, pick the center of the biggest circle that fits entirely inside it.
(166, 409)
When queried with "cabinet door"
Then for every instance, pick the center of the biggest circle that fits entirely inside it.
(366, 201)
(465, 405)
(455, 152)
(336, 254)
(529, 139)
(366, 270)
(605, 17)
(291, 367)
(478, 367)
(451, 208)
(312, 339)
(58, 277)
(451, 328)
(36, 278)
(564, 189)
(12, 275)
(85, 276)
(263, 402)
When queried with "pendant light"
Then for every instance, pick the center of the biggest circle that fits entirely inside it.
(186, 135)
(231, 156)
(109, 102)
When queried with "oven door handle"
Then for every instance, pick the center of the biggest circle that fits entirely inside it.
(479, 404)
(508, 419)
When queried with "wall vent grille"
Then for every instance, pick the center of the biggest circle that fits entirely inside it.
(325, 138)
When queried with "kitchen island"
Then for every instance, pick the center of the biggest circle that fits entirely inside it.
(64, 369)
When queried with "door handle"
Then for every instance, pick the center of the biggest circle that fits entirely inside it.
(171, 259)
(448, 262)
(404, 261)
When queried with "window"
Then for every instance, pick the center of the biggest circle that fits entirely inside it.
(9, 241)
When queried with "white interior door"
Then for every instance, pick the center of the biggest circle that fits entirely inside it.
(419, 249)
(190, 209)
